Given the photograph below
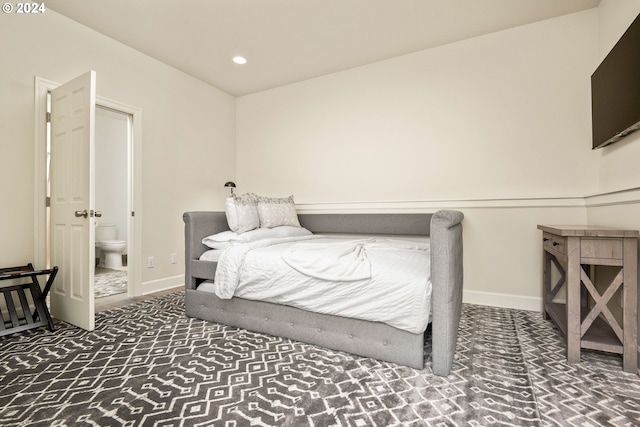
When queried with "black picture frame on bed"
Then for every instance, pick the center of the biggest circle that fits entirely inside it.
(360, 337)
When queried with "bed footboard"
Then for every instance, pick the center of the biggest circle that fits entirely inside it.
(198, 225)
(447, 278)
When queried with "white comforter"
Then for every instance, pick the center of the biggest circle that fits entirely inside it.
(374, 279)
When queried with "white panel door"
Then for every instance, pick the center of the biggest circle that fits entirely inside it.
(72, 200)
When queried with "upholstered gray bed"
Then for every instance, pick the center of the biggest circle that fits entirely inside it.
(364, 338)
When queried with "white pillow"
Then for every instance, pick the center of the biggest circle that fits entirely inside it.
(221, 240)
(211, 255)
(275, 212)
(242, 212)
(227, 238)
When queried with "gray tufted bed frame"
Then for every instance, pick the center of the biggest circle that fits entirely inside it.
(364, 338)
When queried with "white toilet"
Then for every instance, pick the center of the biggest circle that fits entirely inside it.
(110, 250)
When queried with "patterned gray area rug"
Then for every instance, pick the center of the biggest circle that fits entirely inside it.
(148, 365)
(107, 284)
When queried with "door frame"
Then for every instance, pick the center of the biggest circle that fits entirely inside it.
(134, 234)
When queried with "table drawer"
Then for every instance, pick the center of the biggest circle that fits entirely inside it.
(555, 243)
(601, 248)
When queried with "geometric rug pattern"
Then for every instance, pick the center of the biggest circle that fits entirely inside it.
(147, 364)
(111, 283)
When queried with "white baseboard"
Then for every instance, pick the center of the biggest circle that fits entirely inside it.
(502, 300)
(161, 284)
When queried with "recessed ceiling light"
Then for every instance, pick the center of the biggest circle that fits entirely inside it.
(241, 60)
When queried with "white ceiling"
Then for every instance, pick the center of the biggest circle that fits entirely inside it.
(292, 40)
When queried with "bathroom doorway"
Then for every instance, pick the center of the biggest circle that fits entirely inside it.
(113, 200)
(112, 177)
(43, 180)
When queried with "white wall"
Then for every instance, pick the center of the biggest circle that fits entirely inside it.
(619, 173)
(509, 112)
(188, 134)
(618, 162)
(497, 126)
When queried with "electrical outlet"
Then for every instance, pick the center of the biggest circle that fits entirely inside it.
(174, 258)
(150, 262)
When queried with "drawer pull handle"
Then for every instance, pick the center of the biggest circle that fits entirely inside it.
(545, 239)
(555, 243)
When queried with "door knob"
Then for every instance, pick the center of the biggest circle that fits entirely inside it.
(98, 214)
(83, 213)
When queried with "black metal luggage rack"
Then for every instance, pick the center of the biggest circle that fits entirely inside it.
(32, 305)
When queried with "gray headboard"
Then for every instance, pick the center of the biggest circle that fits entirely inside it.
(202, 224)
(399, 224)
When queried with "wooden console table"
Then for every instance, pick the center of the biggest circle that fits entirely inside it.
(584, 316)
(16, 286)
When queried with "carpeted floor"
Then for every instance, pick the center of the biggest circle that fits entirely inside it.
(147, 364)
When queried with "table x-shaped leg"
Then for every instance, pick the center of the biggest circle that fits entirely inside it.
(600, 303)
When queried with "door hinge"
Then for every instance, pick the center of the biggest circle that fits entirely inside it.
(48, 117)
(47, 202)
(133, 213)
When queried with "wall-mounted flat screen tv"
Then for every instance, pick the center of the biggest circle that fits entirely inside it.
(615, 90)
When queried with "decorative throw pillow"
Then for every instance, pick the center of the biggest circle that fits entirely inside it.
(242, 213)
(274, 212)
